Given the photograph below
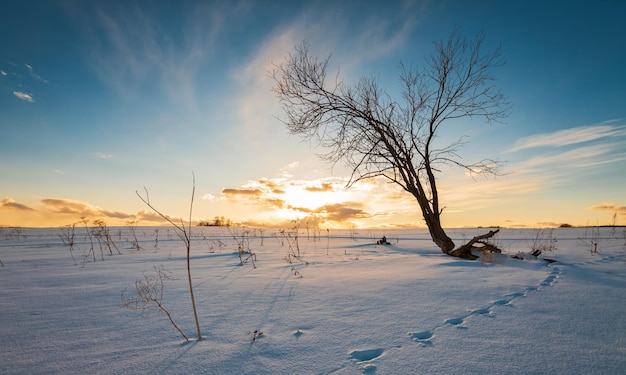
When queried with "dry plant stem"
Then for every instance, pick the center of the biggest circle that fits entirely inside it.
(132, 227)
(150, 290)
(243, 246)
(67, 236)
(91, 250)
(185, 235)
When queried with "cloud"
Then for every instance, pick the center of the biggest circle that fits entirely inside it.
(129, 49)
(12, 204)
(570, 136)
(273, 185)
(24, 96)
(286, 170)
(3, 72)
(81, 209)
(320, 200)
(275, 202)
(209, 197)
(104, 156)
(343, 211)
(621, 210)
(34, 75)
(373, 33)
(324, 187)
(233, 193)
(150, 216)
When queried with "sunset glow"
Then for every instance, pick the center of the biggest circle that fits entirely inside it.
(99, 100)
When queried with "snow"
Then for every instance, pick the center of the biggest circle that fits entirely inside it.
(351, 306)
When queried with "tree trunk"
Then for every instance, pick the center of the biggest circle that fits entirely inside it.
(445, 243)
(439, 236)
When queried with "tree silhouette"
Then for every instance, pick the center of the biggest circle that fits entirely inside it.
(375, 135)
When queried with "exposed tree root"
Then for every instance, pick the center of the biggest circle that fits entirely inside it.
(477, 243)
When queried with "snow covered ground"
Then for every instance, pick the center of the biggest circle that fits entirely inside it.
(353, 307)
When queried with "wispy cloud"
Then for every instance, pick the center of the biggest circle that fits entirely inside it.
(24, 96)
(130, 50)
(548, 170)
(104, 156)
(34, 75)
(607, 206)
(2, 72)
(570, 136)
(369, 38)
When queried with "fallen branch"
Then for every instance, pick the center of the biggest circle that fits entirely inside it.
(477, 243)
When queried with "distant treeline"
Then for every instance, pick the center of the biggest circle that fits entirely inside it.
(219, 221)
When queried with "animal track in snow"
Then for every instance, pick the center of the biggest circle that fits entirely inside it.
(425, 337)
(551, 279)
(455, 321)
(485, 311)
(366, 356)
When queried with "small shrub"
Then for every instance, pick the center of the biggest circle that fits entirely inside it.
(242, 239)
(67, 236)
(543, 242)
(91, 250)
(156, 240)
(132, 227)
(101, 232)
(592, 242)
(149, 293)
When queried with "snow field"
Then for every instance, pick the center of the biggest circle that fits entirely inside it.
(351, 307)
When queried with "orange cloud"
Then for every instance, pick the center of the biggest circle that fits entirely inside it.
(235, 193)
(277, 203)
(143, 216)
(81, 209)
(324, 187)
(322, 200)
(273, 185)
(12, 204)
(60, 211)
(343, 212)
(609, 207)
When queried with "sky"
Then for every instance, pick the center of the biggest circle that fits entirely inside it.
(101, 100)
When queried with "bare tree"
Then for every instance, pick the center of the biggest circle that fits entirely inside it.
(362, 126)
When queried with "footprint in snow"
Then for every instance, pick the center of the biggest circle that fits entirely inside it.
(455, 321)
(425, 337)
(551, 279)
(485, 311)
(365, 356)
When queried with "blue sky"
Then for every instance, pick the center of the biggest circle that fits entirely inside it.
(99, 99)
